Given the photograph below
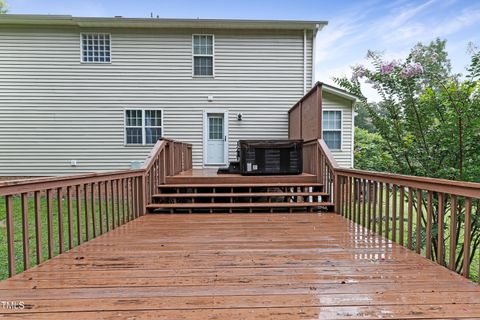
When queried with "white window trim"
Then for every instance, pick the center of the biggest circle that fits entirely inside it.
(144, 133)
(95, 62)
(336, 130)
(203, 55)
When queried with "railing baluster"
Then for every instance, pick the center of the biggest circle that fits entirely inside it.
(117, 186)
(441, 226)
(387, 210)
(453, 232)
(86, 205)
(380, 209)
(25, 237)
(353, 205)
(410, 218)
(418, 226)
(374, 209)
(369, 204)
(61, 246)
(38, 227)
(428, 252)
(112, 191)
(128, 199)
(402, 215)
(359, 201)
(78, 196)
(364, 203)
(350, 210)
(122, 182)
(10, 236)
(94, 213)
(100, 207)
(467, 238)
(107, 206)
(70, 217)
(394, 213)
(49, 223)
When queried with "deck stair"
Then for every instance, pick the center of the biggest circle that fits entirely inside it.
(240, 197)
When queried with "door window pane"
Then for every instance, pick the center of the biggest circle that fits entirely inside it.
(215, 128)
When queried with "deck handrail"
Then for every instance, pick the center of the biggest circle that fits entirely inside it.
(386, 204)
(78, 208)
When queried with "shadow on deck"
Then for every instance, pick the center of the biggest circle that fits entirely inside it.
(268, 266)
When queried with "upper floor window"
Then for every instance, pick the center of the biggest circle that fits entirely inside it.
(143, 126)
(203, 49)
(332, 129)
(95, 47)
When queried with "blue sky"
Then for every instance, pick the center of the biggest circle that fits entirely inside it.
(354, 26)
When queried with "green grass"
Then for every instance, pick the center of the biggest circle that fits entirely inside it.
(474, 266)
(17, 219)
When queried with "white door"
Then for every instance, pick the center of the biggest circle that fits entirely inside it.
(215, 138)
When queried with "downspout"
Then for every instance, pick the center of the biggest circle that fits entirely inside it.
(314, 50)
(304, 61)
(352, 153)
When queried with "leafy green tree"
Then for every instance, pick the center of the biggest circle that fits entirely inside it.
(370, 152)
(428, 119)
(3, 7)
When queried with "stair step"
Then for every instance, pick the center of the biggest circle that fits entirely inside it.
(238, 194)
(238, 205)
(240, 185)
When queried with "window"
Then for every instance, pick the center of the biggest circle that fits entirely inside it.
(203, 55)
(332, 129)
(95, 47)
(143, 126)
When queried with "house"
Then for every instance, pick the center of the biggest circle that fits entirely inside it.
(94, 94)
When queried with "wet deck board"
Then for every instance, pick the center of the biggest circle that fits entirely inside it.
(240, 266)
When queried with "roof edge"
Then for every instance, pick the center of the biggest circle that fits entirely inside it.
(339, 92)
(68, 20)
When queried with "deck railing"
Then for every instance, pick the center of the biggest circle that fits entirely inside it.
(48, 216)
(437, 218)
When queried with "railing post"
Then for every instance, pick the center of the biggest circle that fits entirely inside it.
(143, 194)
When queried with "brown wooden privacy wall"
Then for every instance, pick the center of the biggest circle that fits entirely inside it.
(47, 216)
(305, 117)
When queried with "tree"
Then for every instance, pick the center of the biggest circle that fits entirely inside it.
(3, 7)
(370, 152)
(429, 122)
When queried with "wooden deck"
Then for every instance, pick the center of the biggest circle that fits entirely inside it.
(240, 266)
(205, 176)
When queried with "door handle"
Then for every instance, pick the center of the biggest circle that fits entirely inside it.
(224, 138)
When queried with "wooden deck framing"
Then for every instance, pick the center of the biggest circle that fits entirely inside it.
(240, 266)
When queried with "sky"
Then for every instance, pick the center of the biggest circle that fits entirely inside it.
(355, 26)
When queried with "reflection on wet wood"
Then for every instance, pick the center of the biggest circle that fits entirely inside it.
(255, 266)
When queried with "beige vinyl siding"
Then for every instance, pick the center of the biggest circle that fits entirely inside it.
(332, 102)
(54, 109)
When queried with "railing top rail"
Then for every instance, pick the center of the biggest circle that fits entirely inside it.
(460, 188)
(328, 154)
(30, 185)
(35, 184)
(153, 153)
